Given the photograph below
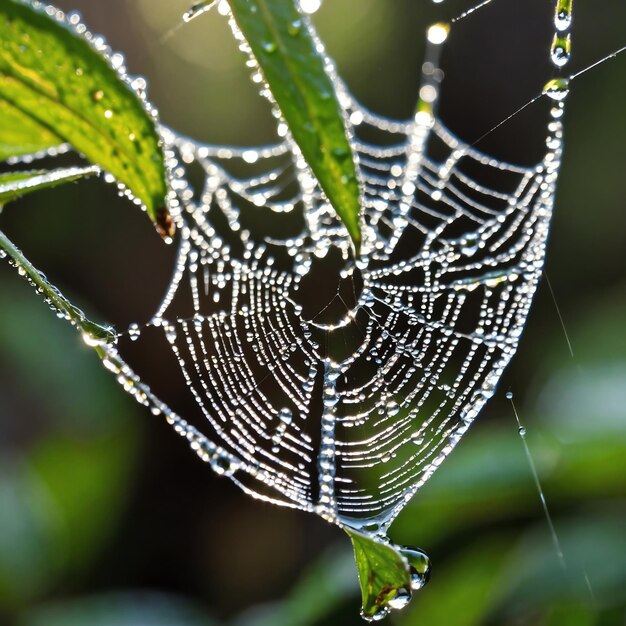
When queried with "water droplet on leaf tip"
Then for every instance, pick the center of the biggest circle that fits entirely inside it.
(419, 566)
(401, 599)
(378, 616)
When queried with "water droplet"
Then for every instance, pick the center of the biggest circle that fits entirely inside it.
(380, 615)
(563, 15)
(295, 28)
(419, 565)
(285, 416)
(400, 600)
(557, 89)
(198, 9)
(438, 33)
(139, 83)
(509, 395)
(522, 431)
(357, 118)
(340, 153)
(270, 47)
(561, 50)
(134, 332)
(98, 95)
(310, 6)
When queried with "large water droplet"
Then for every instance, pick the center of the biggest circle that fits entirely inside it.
(401, 599)
(419, 565)
(563, 15)
(561, 50)
(557, 89)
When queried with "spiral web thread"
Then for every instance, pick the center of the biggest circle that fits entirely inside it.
(349, 417)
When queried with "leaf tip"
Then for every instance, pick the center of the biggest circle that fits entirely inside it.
(388, 574)
(164, 223)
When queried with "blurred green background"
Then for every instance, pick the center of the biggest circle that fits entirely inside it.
(107, 519)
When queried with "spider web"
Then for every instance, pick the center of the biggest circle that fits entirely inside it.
(344, 402)
(348, 414)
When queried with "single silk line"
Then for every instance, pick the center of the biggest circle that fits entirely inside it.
(608, 57)
(465, 14)
(558, 311)
(506, 119)
(535, 475)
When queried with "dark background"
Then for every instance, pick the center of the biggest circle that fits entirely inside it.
(106, 517)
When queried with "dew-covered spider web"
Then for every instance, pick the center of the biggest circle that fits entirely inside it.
(345, 401)
(336, 384)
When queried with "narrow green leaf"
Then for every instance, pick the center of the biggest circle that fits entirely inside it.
(94, 335)
(383, 574)
(283, 45)
(20, 134)
(56, 88)
(14, 185)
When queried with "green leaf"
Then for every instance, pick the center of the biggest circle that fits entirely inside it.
(384, 574)
(282, 43)
(94, 334)
(14, 185)
(55, 88)
(20, 134)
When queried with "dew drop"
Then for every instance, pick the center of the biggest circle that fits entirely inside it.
(563, 15)
(419, 565)
(380, 615)
(295, 28)
(561, 50)
(139, 83)
(134, 332)
(270, 46)
(557, 89)
(286, 416)
(400, 600)
(198, 9)
(310, 6)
